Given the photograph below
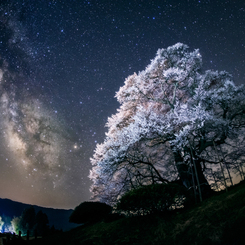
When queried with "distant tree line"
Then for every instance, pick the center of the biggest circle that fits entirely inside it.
(37, 224)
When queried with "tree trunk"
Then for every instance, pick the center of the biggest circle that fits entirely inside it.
(186, 173)
(204, 185)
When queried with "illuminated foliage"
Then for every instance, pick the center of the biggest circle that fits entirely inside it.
(171, 120)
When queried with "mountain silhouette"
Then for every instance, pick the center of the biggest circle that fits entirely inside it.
(59, 218)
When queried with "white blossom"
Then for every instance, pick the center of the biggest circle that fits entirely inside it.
(169, 102)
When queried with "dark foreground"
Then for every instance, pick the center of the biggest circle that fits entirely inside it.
(218, 220)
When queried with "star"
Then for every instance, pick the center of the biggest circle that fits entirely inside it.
(61, 65)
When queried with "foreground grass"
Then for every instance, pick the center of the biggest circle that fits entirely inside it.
(217, 220)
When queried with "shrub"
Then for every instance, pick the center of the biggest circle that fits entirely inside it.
(113, 217)
(152, 198)
(90, 212)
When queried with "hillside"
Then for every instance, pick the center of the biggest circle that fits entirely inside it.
(57, 217)
(218, 220)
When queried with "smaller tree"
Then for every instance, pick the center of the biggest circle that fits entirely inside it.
(90, 212)
(15, 222)
(27, 220)
(1, 224)
(152, 198)
(41, 223)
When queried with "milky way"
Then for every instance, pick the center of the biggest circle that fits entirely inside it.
(33, 137)
(38, 151)
(37, 147)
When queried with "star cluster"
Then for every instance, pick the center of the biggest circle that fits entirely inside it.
(61, 63)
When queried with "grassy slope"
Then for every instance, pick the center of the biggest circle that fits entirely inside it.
(218, 220)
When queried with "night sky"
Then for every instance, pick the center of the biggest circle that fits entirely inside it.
(61, 63)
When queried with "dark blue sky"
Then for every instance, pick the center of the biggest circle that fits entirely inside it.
(61, 64)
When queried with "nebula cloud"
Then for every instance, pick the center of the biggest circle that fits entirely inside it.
(40, 155)
(34, 142)
(34, 137)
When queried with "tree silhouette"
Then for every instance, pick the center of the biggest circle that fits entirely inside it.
(41, 223)
(27, 220)
(90, 212)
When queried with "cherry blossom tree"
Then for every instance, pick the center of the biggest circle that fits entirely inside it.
(171, 121)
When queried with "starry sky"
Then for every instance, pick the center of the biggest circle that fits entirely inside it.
(61, 62)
